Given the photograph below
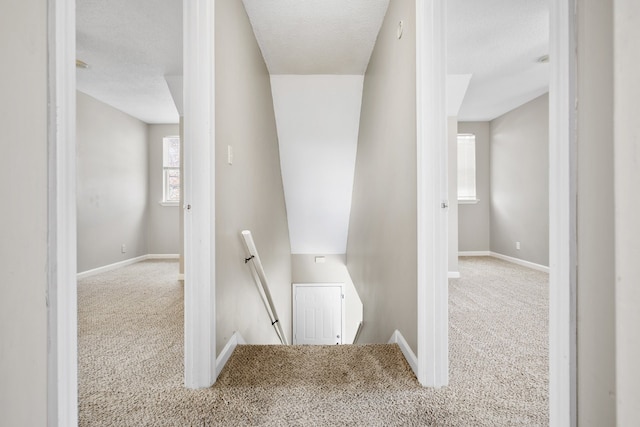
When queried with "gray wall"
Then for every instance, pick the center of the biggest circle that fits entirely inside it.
(381, 248)
(249, 193)
(595, 212)
(627, 178)
(112, 189)
(520, 182)
(23, 229)
(181, 211)
(163, 223)
(474, 219)
(452, 129)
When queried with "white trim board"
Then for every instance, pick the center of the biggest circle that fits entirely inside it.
(454, 275)
(163, 256)
(62, 321)
(224, 356)
(513, 260)
(199, 194)
(562, 214)
(521, 262)
(124, 263)
(507, 258)
(474, 253)
(397, 338)
(432, 194)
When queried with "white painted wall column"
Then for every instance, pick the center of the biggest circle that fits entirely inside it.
(627, 178)
(199, 197)
(562, 215)
(452, 175)
(433, 295)
(62, 402)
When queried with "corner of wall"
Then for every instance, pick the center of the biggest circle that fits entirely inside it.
(112, 209)
(381, 248)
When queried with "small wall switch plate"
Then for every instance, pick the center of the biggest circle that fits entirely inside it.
(229, 154)
(123, 248)
(320, 260)
(518, 245)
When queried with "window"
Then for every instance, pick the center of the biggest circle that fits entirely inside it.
(467, 168)
(171, 170)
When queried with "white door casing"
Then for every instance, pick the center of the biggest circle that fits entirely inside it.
(318, 314)
(562, 214)
(62, 321)
(199, 195)
(432, 227)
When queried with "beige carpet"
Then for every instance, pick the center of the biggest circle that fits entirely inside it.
(130, 362)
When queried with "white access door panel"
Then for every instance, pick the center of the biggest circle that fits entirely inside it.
(318, 314)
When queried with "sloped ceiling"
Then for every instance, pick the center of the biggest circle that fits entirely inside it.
(130, 47)
(316, 36)
(498, 42)
(318, 118)
(317, 52)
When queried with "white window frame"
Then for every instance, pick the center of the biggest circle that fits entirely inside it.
(166, 170)
(461, 140)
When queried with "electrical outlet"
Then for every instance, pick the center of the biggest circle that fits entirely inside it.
(123, 248)
(518, 245)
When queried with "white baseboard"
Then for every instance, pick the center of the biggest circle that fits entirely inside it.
(124, 263)
(397, 338)
(521, 262)
(454, 275)
(110, 267)
(181, 277)
(474, 253)
(235, 340)
(513, 260)
(163, 256)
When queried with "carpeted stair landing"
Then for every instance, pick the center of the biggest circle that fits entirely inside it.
(131, 372)
(318, 385)
(340, 368)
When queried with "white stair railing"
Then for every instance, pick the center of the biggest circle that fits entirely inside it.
(261, 282)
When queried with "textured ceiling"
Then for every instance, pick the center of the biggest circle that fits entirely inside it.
(316, 36)
(498, 41)
(130, 46)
